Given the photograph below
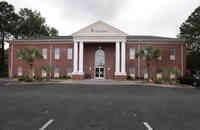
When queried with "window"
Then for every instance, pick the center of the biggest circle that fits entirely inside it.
(57, 53)
(33, 72)
(19, 71)
(132, 71)
(69, 53)
(172, 53)
(145, 54)
(44, 53)
(159, 72)
(132, 53)
(18, 57)
(56, 73)
(160, 58)
(69, 72)
(145, 73)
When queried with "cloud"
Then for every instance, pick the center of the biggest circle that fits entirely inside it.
(152, 17)
(90, 9)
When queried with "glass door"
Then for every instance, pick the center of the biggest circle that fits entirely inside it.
(99, 64)
(99, 72)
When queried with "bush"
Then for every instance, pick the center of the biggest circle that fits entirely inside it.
(62, 77)
(87, 76)
(20, 78)
(159, 70)
(28, 79)
(158, 81)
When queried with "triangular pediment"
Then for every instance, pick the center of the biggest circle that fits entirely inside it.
(99, 28)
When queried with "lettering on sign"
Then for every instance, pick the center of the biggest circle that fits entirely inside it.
(98, 30)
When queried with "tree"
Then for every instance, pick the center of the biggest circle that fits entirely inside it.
(48, 69)
(29, 55)
(8, 17)
(190, 31)
(33, 25)
(150, 55)
(53, 32)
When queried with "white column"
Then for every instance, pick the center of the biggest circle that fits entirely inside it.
(75, 57)
(117, 58)
(123, 57)
(81, 48)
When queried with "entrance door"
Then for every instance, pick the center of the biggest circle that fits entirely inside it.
(99, 72)
(99, 64)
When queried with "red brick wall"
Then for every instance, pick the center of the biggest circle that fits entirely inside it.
(164, 63)
(89, 55)
(63, 63)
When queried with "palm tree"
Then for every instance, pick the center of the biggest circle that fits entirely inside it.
(48, 70)
(149, 55)
(29, 55)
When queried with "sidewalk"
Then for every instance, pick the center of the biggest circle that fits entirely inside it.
(6, 81)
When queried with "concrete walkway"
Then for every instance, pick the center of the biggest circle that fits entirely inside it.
(7, 81)
(115, 82)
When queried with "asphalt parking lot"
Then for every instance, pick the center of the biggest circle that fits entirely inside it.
(98, 107)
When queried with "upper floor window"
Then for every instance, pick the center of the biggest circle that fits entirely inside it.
(19, 71)
(132, 53)
(44, 53)
(172, 53)
(57, 53)
(69, 53)
(145, 54)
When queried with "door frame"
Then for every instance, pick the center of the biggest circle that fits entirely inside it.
(99, 78)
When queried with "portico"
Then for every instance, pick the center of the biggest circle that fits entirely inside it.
(101, 35)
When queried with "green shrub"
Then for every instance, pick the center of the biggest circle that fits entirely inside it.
(158, 81)
(27, 79)
(159, 70)
(20, 78)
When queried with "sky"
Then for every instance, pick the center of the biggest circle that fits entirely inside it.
(135, 17)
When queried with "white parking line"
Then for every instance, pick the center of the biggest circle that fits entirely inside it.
(46, 124)
(148, 126)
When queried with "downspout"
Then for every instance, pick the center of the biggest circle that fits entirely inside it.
(50, 59)
(11, 69)
(182, 59)
(139, 60)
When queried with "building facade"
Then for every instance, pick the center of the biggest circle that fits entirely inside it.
(98, 51)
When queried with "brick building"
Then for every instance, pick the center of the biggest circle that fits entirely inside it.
(98, 51)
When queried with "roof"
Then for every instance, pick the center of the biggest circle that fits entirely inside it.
(151, 38)
(129, 37)
(49, 38)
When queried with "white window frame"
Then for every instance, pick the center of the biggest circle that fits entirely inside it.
(172, 76)
(44, 73)
(172, 57)
(56, 72)
(69, 73)
(69, 53)
(132, 53)
(57, 54)
(132, 74)
(146, 73)
(33, 72)
(19, 71)
(159, 75)
(160, 57)
(44, 53)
